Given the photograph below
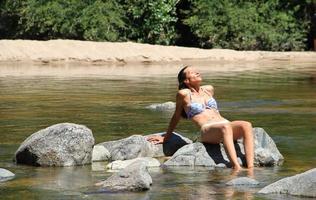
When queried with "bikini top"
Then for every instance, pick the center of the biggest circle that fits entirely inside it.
(197, 108)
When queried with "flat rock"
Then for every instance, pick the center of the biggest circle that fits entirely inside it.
(121, 164)
(303, 184)
(64, 144)
(167, 106)
(6, 175)
(242, 181)
(134, 177)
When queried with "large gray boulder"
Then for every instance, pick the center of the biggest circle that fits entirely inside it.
(64, 144)
(134, 177)
(6, 175)
(214, 155)
(303, 184)
(266, 151)
(191, 155)
(137, 146)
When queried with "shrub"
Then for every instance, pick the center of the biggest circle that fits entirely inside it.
(247, 25)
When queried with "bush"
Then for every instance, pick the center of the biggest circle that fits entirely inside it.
(247, 25)
(72, 19)
(151, 21)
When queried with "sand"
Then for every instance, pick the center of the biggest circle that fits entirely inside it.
(67, 51)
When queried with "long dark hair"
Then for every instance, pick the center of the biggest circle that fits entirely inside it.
(182, 85)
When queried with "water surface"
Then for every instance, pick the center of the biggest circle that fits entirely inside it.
(112, 101)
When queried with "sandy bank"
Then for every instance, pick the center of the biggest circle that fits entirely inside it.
(128, 52)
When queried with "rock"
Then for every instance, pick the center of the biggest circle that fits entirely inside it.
(64, 144)
(303, 184)
(121, 164)
(167, 106)
(100, 153)
(137, 146)
(134, 177)
(191, 155)
(266, 153)
(175, 142)
(242, 181)
(6, 175)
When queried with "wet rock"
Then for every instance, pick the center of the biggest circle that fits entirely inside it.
(242, 181)
(266, 153)
(64, 144)
(303, 184)
(121, 164)
(137, 146)
(134, 177)
(167, 106)
(6, 175)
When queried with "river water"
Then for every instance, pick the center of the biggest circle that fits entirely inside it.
(111, 100)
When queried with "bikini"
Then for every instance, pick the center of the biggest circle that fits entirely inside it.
(196, 108)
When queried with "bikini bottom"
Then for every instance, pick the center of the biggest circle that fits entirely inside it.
(210, 124)
(207, 125)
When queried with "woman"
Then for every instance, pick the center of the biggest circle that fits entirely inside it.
(196, 102)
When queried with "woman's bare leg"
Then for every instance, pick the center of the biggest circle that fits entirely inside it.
(244, 129)
(222, 132)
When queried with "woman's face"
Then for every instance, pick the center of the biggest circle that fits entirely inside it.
(192, 75)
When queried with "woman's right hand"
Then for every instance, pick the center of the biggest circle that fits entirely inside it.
(156, 139)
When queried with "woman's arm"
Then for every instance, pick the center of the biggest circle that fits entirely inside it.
(157, 139)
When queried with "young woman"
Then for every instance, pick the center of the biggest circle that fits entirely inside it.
(196, 102)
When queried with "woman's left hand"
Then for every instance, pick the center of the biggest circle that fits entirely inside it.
(156, 139)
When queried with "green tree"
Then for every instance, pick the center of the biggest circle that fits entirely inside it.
(150, 21)
(247, 25)
(71, 19)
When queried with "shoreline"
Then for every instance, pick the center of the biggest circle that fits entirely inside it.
(122, 53)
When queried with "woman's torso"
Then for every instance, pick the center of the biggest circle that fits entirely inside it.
(201, 108)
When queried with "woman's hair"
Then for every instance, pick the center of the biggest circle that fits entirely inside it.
(182, 85)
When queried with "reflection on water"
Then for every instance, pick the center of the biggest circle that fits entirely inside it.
(112, 101)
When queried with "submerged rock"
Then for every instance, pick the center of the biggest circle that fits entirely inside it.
(64, 144)
(242, 181)
(121, 164)
(137, 146)
(134, 177)
(167, 106)
(214, 155)
(303, 184)
(6, 175)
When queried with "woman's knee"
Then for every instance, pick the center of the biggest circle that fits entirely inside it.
(226, 129)
(246, 125)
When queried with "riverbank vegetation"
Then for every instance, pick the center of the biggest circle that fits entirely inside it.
(275, 25)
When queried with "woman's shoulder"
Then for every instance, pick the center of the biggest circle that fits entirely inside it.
(209, 88)
(183, 92)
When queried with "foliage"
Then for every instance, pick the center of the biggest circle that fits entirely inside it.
(151, 21)
(247, 25)
(278, 25)
(77, 19)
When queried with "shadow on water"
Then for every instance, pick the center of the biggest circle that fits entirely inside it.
(112, 101)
